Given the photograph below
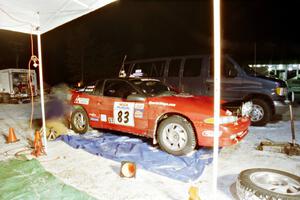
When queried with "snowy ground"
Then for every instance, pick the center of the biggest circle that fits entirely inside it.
(99, 177)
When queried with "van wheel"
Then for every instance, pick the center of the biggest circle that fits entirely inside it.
(261, 113)
(176, 136)
(79, 121)
(263, 183)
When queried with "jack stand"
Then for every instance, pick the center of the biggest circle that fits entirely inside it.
(291, 149)
(52, 134)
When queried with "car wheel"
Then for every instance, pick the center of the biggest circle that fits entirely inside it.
(260, 183)
(79, 121)
(176, 136)
(261, 113)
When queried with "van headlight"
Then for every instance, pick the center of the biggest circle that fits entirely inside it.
(247, 108)
(223, 120)
(281, 91)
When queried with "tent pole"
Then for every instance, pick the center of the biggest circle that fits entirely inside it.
(217, 93)
(42, 91)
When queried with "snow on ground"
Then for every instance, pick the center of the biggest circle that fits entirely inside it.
(100, 178)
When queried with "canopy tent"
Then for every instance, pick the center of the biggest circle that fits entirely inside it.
(39, 16)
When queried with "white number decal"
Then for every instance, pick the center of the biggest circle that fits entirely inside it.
(123, 113)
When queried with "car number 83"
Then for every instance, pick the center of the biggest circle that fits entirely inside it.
(123, 117)
(124, 113)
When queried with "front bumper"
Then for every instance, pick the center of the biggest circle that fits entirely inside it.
(280, 107)
(230, 133)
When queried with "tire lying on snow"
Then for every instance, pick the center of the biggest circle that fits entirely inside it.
(79, 121)
(267, 184)
(176, 136)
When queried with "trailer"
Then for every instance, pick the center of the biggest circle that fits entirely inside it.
(14, 85)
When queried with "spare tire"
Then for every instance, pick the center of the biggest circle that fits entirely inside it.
(267, 184)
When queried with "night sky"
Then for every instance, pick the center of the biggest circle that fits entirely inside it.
(97, 42)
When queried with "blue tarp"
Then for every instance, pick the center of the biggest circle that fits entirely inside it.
(123, 148)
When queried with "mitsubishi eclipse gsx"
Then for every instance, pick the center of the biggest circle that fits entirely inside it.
(149, 108)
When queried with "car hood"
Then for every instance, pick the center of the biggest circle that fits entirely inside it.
(187, 103)
(273, 79)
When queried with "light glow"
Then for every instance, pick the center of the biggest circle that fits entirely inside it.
(269, 69)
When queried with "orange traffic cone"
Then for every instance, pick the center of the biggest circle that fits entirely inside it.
(128, 169)
(11, 136)
(38, 148)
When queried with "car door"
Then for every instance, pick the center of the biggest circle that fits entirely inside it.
(95, 99)
(120, 114)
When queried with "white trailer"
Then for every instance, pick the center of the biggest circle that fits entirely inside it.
(14, 85)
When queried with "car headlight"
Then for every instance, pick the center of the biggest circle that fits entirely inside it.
(247, 108)
(281, 91)
(223, 120)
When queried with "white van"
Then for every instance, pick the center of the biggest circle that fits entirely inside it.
(14, 85)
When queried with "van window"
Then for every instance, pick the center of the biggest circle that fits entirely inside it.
(174, 67)
(192, 67)
(227, 68)
(157, 69)
(150, 69)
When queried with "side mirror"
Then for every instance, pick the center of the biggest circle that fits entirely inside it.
(136, 97)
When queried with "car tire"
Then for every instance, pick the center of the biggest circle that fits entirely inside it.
(261, 113)
(176, 136)
(271, 184)
(79, 121)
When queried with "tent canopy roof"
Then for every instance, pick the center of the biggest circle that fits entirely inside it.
(40, 16)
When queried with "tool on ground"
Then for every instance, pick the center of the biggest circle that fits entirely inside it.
(128, 169)
(11, 138)
(283, 147)
(56, 127)
(38, 148)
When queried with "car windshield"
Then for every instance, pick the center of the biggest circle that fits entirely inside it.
(244, 64)
(153, 87)
(255, 72)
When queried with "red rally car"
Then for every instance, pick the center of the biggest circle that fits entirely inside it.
(147, 107)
